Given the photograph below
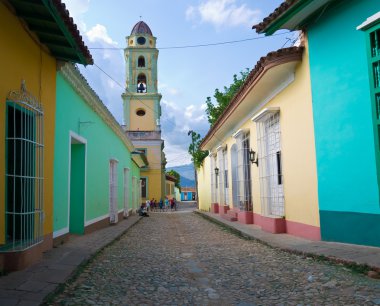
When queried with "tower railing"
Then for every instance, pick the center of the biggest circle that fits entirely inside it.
(144, 135)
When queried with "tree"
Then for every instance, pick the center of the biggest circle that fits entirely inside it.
(224, 97)
(197, 155)
(177, 176)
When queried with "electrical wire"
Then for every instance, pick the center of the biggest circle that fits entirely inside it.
(198, 45)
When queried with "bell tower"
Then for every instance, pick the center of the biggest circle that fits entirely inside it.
(142, 110)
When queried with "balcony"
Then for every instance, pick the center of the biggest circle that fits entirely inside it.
(144, 135)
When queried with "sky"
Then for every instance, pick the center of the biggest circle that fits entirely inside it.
(186, 76)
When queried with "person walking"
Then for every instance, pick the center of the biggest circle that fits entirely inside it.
(161, 204)
(166, 204)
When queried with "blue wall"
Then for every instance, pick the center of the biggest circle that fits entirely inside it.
(346, 164)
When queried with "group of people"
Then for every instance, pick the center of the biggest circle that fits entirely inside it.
(153, 205)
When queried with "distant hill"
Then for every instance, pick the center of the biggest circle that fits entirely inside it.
(185, 182)
(187, 174)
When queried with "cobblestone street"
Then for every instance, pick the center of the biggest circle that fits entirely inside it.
(180, 258)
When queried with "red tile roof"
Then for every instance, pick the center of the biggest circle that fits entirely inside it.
(287, 4)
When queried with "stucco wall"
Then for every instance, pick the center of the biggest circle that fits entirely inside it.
(204, 183)
(102, 145)
(21, 58)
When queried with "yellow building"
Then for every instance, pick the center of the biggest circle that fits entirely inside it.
(262, 166)
(142, 110)
(34, 36)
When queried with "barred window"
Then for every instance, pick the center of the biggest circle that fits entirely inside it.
(24, 171)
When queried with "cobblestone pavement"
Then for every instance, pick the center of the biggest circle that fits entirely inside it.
(180, 258)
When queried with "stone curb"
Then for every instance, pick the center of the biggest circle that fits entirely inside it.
(359, 267)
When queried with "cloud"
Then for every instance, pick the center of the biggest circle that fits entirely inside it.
(98, 33)
(176, 121)
(77, 8)
(223, 13)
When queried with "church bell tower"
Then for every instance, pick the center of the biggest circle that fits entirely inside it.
(142, 110)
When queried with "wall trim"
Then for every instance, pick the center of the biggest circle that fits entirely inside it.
(60, 232)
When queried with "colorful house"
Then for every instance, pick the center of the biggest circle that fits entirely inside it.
(142, 109)
(97, 173)
(34, 35)
(261, 168)
(188, 194)
(344, 47)
(170, 186)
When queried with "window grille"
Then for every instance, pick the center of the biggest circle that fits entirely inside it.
(374, 65)
(24, 194)
(213, 180)
(113, 191)
(270, 168)
(126, 192)
(234, 162)
(244, 173)
(221, 178)
(134, 193)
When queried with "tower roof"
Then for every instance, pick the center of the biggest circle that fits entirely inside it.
(141, 28)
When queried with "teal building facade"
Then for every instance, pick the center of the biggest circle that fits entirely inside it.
(96, 171)
(344, 45)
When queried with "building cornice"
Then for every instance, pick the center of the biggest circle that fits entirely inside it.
(72, 75)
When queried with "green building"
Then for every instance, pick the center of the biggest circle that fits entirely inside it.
(96, 171)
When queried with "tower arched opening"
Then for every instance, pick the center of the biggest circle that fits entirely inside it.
(141, 83)
(141, 61)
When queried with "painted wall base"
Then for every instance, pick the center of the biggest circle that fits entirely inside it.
(223, 209)
(350, 227)
(15, 261)
(215, 208)
(245, 217)
(303, 230)
(270, 224)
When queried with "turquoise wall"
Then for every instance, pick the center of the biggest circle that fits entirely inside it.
(346, 164)
(102, 145)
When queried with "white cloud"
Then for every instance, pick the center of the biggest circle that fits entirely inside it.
(77, 8)
(98, 33)
(223, 13)
(176, 121)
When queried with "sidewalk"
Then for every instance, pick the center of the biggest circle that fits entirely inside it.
(337, 252)
(32, 285)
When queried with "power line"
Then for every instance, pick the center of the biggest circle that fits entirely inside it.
(230, 42)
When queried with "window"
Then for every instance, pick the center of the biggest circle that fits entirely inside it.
(243, 171)
(270, 164)
(141, 61)
(144, 187)
(113, 191)
(374, 68)
(24, 171)
(140, 112)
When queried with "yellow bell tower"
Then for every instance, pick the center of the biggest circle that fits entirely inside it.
(142, 110)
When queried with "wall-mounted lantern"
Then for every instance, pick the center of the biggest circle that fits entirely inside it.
(253, 157)
(216, 171)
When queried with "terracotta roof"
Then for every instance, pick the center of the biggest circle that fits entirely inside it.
(51, 22)
(141, 28)
(187, 189)
(170, 177)
(266, 62)
(287, 4)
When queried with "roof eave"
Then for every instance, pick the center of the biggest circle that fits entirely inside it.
(265, 64)
(292, 17)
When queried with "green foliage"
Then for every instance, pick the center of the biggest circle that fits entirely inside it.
(177, 176)
(224, 97)
(197, 155)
